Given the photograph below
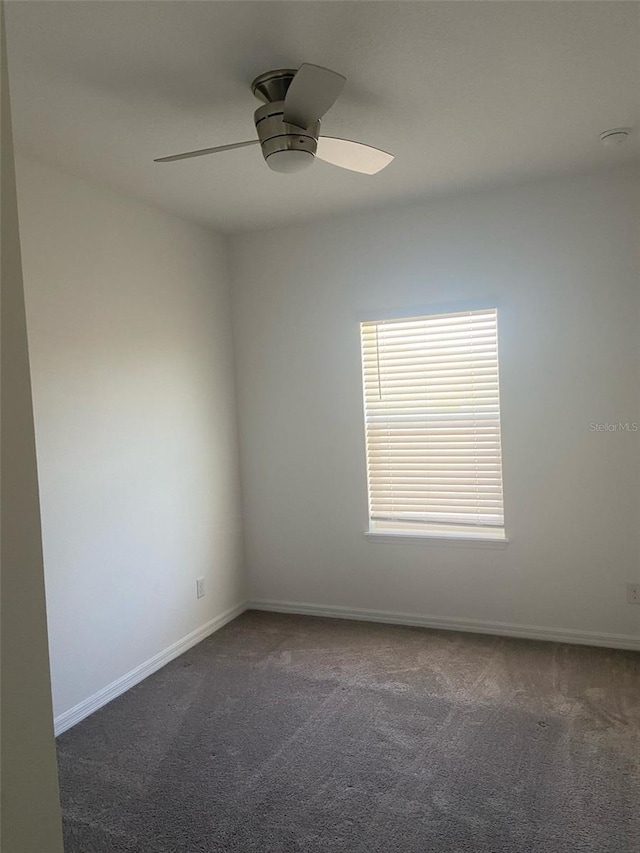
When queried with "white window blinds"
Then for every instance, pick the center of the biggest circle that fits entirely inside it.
(432, 416)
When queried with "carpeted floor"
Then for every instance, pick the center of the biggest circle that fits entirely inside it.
(293, 733)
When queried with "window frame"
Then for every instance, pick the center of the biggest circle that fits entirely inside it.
(472, 538)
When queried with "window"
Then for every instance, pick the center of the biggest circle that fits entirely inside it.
(432, 420)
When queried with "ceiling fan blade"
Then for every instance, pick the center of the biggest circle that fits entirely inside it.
(312, 92)
(352, 155)
(201, 151)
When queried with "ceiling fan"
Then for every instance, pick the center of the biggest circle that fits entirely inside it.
(288, 124)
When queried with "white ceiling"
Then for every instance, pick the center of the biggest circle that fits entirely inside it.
(464, 94)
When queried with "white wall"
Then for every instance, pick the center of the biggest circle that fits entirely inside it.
(129, 335)
(558, 258)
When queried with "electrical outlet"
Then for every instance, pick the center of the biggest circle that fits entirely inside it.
(633, 593)
(200, 587)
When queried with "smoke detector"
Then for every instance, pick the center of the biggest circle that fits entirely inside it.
(615, 136)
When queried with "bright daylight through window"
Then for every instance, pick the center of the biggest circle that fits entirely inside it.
(432, 420)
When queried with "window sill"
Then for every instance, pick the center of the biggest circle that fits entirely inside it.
(468, 540)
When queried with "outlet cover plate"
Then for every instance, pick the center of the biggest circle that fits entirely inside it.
(200, 587)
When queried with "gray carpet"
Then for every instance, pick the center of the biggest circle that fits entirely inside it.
(292, 733)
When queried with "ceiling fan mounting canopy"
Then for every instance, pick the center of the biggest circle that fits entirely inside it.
(288, 124)
(272, 85)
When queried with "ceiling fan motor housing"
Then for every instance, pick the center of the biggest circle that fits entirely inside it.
(285, 147)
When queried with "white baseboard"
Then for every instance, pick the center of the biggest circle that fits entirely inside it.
(83, 709)
(504, 629)
(476, 626)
